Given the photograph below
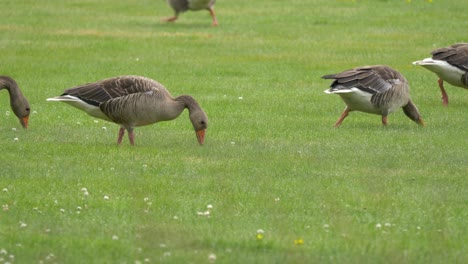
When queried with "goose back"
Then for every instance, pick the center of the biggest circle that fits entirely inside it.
(373, 89)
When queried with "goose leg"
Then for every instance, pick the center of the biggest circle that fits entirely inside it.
(384, 120)
(121, 133)
(342, 117)
(444, 94)
(131, 136)
(212, 13)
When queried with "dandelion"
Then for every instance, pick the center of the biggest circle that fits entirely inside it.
(260, 234)
(299, 241)
(212, 257)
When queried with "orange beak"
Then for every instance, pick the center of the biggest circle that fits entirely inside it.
(201, 136)
(24, 121)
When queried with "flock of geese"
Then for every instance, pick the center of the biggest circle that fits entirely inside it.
(132, 101)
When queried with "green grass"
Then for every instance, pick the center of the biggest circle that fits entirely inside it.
(272, 160)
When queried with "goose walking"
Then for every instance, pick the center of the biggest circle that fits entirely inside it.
(376, 89)
(133, 101)
(19, 104)
(450, 64)
(181, 6)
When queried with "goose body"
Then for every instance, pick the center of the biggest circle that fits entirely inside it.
(375, 89)
(181, 6)
(19, 104)
(133, 101)
(450, 64)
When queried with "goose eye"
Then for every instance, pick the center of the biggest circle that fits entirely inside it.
(27, 109)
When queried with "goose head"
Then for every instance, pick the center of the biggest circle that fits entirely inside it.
(200, 123)
(21, 109)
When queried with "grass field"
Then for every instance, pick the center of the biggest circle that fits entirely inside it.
(272, 160)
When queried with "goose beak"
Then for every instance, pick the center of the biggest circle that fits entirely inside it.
(24, 121)
(421, 122)
(201, 136)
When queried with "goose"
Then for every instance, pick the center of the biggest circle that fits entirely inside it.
(450, 64)
(133, 101)
(181, 6)
(19, 104)
(376, 89)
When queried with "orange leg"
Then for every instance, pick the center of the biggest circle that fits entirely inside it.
(444, 94)
(342, 117)
(215, 21)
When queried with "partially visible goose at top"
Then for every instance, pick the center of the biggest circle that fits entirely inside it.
(133, 101)
(376, 89)
(450, 64)
(19, 104)
(181, 6)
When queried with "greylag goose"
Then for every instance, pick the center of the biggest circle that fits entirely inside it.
(181, 6)
(450, 64)
(133, 101)
(19, 104)
(373, 89)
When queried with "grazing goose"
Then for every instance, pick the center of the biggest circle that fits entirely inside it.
(181, 6)
(373, 89)
(133, 101)
(450, 64)
(19, 104)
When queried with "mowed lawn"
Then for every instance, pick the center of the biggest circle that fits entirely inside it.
(274, 182)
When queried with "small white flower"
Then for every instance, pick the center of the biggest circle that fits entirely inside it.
(3, 251)
(209, 206)
(418, 228)
(137, 59)
(78, 208)
(78, 123)
(240, 97)
(146, 199)
(378, 225)
(162, 245)
(7, 113)
(23, 225)
(146, 260)
(200, 213)
(175, 217)
(106, 197)
(104, 128)
(277, 199)
(5, 207)
(62, 210)
(14, 129)
(16, 139)
(84, 189)
(34, 112)
(326, 226)
(167, 254)
(212, 257)
(95, 121)
(5, 190)
(145, 166)
(86, 193)
(114, 237)
(260, 231)
(206, 213)
(233, 143)
(388, 225)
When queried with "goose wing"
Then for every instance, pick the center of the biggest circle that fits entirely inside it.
(456, 55)
(371, 79)
(121, 86)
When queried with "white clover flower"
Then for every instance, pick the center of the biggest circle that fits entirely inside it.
(34, 112)
(378, 225)
(175, 217)
(146, 199)
(14, 129)
(167, 254)
(78, 208)
(115, 237)
(3, 251)
(106, 197)
(387, 225)
(23, 225)
(5, 190)
(96, 121)
(16, 139)
(62, 210)
(212, 257)
(240, 97)
(84, 189)
(78, 123)
(104, 128)
(326, 226)
(7, 113)
(277, 199)
(209, 206)
(86, 193)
